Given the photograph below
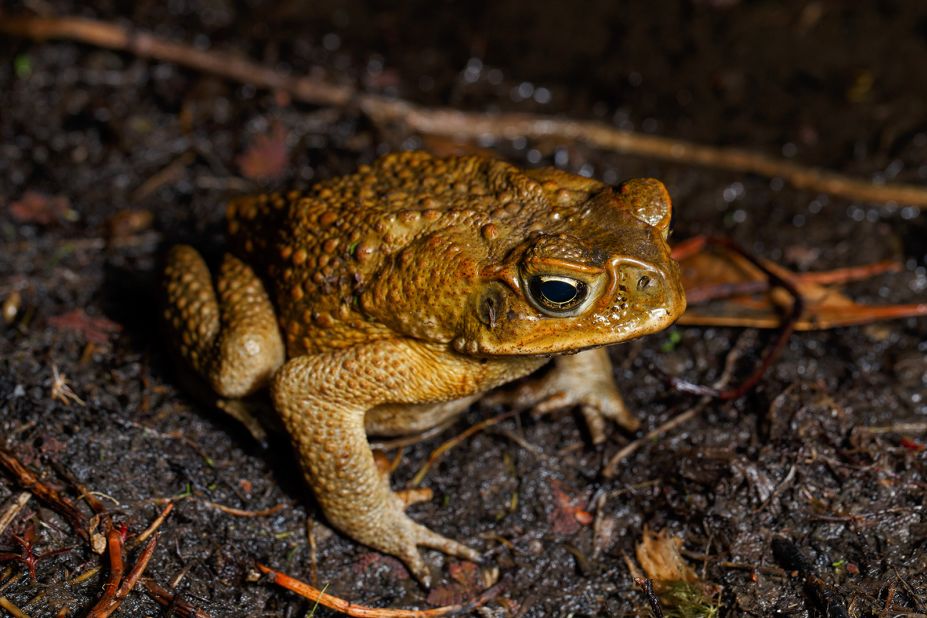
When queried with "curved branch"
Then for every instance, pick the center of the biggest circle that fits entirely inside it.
(457, 123)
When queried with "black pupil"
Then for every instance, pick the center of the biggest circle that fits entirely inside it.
(558, 292)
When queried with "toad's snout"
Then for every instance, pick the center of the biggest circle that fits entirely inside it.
(642, 293)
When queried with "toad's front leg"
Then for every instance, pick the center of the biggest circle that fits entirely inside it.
(323, 399)
(585, 380)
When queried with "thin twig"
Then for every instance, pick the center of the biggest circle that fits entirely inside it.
(436, 454)
(404, 441)
(83, 492)
(128, 584)
(909, 427)
(153, 527)
(455, 123)
(789, 477)
(145, 45)
(165, 597)
(706, 293)
(361, 611)
(611, 467)
(10, 580)
(103, 610)
(26, 479)
(16, 505)
(80, 578)
(8, 605)
(116, 569)
(850, 273)
(243, 513)
(131, 543)
(605, 137)
(776, 278)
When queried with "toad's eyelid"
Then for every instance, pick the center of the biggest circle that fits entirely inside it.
(562, 278)
(553, 265)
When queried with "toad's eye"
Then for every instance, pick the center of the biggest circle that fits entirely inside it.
(557, 294)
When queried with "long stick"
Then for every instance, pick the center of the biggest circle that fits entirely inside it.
(456, 123)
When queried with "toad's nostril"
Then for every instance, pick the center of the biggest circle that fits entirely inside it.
(643, 282)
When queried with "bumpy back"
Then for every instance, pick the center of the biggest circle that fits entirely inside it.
(319, 249)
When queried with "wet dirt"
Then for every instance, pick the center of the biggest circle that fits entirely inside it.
(831, 84)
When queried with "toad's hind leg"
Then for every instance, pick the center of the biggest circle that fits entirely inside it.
(231, 338)
(323, 399)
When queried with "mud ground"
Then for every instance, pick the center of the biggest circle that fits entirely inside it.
(90, 135)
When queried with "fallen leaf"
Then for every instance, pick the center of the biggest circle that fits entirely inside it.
(42, 209)
(681, 591)
(467, 583)
(374, 560)
(267, 157)
(724, 289)
(95, 330)
(466, 574)
(127, 222)
(658, 554)
(568, 515)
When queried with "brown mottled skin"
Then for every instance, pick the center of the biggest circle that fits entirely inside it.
(398, 295)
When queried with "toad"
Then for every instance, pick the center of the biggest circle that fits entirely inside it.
(387, 301)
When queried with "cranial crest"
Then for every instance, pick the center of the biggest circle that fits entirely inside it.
(648, 200)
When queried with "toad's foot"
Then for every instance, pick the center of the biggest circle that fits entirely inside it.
(401, 537)
(323, 399)
(582, 380)
(224, 329)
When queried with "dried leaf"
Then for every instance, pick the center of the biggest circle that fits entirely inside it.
(267, 157)
(446, 594)
(466, 574)
(467, 583)
(42, 209)
(95, 330)
(127, 222)
(568, 515)
(739, 294)
(375, 560)
(658, 554)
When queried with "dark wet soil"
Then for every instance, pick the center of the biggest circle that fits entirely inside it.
(826, 83)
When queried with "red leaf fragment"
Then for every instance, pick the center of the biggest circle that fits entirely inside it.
(912, 445)
(447, 594)
(466, 574)
(375, 560)
(42, 209)
(95, 330)
(467, 583)
(568, 515)
(267, 157)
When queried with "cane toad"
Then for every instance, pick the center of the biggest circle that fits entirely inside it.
(385, 301)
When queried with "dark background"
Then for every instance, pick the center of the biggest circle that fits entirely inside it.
(832, 84)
